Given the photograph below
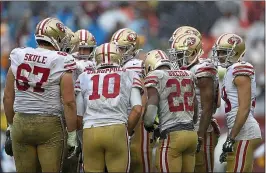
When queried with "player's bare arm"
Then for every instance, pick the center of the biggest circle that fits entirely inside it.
(68, 96)
(218, 99)
(206, 87)
(152, 107)
(9, 97)
(243, 85)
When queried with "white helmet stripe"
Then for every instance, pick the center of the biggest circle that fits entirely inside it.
(42, 25)
(106, 53)
(219, 39)
(162, 54)
(116, 37)
(83, 34)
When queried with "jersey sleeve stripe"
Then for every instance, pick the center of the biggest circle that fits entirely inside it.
(151, 77)
(137, 80)
(70, 65)
(245, 71)
(137, 84)
(213, 71)
(150, 82)
(243, 66)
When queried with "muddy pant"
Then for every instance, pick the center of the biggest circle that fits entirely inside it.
(37, 138)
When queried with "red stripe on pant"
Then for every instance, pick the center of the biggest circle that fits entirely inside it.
(237, 155)
(244, 157)
(164, 151)
(128, 154)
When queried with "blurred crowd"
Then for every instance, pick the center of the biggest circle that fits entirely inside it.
(154, 21)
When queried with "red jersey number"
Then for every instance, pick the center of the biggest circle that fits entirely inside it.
(22, 82)
(182, 105)
(106, 80)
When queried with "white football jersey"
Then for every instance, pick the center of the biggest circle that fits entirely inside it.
(37, 79)
(106, 95)
(205, 68)
(177, 92)
(83, 65)
(135, 65)
(251, 129)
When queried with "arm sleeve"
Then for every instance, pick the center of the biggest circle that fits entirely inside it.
(244, 69)
(135, 97)
(69, 63)
(137, 83)
(206, 69)
(80, 104)
(150, 115)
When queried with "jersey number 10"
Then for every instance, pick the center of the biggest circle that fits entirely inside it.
(95, 87)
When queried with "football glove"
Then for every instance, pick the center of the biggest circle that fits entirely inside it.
(223, 157)
(228, 145)
(8, 142)
(199, 144)
(72, 144)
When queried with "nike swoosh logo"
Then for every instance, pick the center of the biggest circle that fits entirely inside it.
(135, 63)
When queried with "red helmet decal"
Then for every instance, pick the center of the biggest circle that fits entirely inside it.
(190, 41)
(60, 26)
(132, 37)
(234, 39)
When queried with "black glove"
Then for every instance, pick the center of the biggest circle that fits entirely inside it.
(8, 144)
(228, 145)
(200, 139)
(149, 128)
(223, 157)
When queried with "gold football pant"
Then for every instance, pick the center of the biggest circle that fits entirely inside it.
(241, 159)
(177, 152)
(36, 139)
(141, 150)
(106, 145)
(205, 158)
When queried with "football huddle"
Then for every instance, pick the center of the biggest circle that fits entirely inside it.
(75, 106)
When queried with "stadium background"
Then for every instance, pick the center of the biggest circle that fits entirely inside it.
(154, 21)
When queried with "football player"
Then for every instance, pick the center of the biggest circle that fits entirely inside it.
(140, 147)
(171, 93)
(85, 49)
(185, 53)
(103, 104)
(36, 82)
(239, 94)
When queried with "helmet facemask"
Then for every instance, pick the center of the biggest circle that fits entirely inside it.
(87, 56)
(223, 56)
(181, 58)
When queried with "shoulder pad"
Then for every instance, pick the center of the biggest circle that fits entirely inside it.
(205, 69)
(152, 79)
(14, 53)
(243, 68)
(69, 63)
(135, 65)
